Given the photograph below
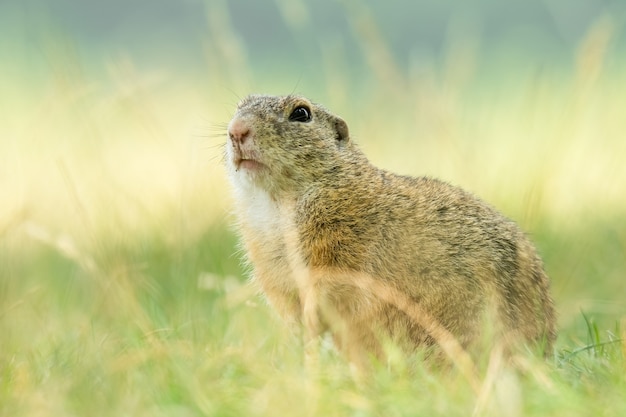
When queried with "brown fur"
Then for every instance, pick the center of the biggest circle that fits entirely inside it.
(341, 245)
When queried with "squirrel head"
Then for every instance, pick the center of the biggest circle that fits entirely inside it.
(285, 144)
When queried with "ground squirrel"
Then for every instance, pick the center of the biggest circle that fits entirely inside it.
(373, 257)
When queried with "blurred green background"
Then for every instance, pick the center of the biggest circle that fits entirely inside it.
(120, 278)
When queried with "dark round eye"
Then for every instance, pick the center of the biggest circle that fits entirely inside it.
(300, 114)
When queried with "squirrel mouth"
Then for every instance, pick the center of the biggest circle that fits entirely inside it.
(250, 165)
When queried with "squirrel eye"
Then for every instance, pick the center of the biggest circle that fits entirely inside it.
(300, 114)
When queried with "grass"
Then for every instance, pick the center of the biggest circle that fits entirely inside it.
(121, 290)
(154, 329)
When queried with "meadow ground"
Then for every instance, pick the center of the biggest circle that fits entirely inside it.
(121, 288)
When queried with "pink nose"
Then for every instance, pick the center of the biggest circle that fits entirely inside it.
(239, 131)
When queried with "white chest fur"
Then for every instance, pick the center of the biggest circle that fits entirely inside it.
(259, 211)
(269, 233)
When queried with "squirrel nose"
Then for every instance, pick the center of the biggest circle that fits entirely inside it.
(239, 131)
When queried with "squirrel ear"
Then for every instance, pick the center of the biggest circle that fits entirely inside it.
(341, 130)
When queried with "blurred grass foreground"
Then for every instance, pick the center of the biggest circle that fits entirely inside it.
(121, 289)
